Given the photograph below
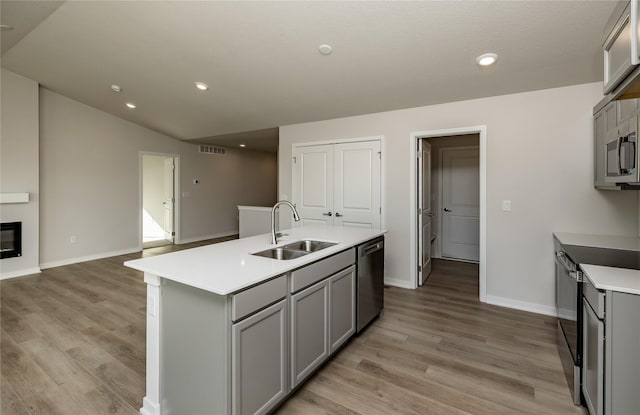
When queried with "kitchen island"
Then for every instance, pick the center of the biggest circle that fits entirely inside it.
(229, 332)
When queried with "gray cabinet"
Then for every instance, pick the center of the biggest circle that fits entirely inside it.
(618, 50)
(622, 366)
(309, 330)
(260, 360)
(342, 307)
(245, 352)
(593, 360)
(323, 317)
(604, 122)
(611, 340)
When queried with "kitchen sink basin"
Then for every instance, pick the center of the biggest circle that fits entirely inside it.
(281, 253)
(295, 249)
(308, 245)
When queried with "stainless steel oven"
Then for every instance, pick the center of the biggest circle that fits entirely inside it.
(569, 309)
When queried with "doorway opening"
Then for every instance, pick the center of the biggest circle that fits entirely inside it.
(158, 199)
(449, 200)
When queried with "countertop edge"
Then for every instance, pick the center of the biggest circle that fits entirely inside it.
(613, 279)
(151, 264)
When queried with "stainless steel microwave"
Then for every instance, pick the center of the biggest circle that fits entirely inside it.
(621, 154)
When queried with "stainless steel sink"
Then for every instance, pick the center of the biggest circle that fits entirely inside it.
(295, 249)
(308, 245)
(281, 253)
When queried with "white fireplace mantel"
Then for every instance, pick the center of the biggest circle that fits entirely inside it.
(14, 198)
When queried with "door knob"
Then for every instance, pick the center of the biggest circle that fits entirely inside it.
(327, 214)
(447, 210)
(338, 215)
(430, 215)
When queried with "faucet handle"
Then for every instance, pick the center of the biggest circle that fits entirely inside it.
(327, 214)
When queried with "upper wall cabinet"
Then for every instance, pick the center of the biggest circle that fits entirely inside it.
(339, 184)
(621, 46)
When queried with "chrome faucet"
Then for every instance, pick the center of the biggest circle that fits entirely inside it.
(274, 239)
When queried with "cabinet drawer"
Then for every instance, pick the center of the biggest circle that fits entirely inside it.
(317, 271)
(594, 297)
(255, 298)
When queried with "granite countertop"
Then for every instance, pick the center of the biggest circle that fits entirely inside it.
(614, 279)
(228, 267)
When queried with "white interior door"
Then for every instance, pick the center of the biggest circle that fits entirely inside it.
(357, 199)
(425, 212)
(313, 172)
(168, 199)
(461, 204)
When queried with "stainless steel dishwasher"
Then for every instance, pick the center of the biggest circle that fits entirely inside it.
(370, 270)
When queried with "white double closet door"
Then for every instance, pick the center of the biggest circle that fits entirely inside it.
(338, 184)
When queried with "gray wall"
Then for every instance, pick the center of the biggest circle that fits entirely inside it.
(90, 183)
(19, 166)
(539, 156)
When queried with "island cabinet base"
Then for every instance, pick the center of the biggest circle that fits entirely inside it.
(245, 352)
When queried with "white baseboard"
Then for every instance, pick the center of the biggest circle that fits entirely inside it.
(399, 283)
(205, 237)
(19, 273)
(69, 261)
(149, 407)
(521, 305)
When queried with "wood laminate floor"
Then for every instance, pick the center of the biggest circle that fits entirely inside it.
(72, 341)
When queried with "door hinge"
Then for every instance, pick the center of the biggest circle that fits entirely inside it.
(419, 154)
(173, 234)
(380, 155)
(419, 268)
(294, 160)
(419, 212)
(380, 211)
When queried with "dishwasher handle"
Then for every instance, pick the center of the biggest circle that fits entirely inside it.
(368, 250)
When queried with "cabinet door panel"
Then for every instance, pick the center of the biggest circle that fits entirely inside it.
(313, 183)
(259, 362)
(618, 52)
(342, 309)
(593, 360)
(357, 184)
(309, 330)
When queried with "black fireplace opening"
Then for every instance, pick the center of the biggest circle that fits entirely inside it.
(10, 239)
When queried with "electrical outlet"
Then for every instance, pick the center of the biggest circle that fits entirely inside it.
(506, 205)
(73, 239)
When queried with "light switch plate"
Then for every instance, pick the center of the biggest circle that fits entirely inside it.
(506, 205)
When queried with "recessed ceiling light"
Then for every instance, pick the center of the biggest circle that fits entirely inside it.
(202, 86)
(243, 145)
(130, 105)
(6, 27)
(325, 49)
(487, 59)
(116, 88)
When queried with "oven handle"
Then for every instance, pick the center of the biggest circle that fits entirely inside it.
(569, 266)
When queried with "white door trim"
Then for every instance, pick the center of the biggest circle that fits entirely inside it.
(413, 213)
(176, 194)
(383, 175)
(440, 192)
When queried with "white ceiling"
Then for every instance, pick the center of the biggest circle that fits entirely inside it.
(262, 64)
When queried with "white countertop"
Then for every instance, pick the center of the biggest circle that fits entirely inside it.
(226, 267)
(614, 279)
(627, 243)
